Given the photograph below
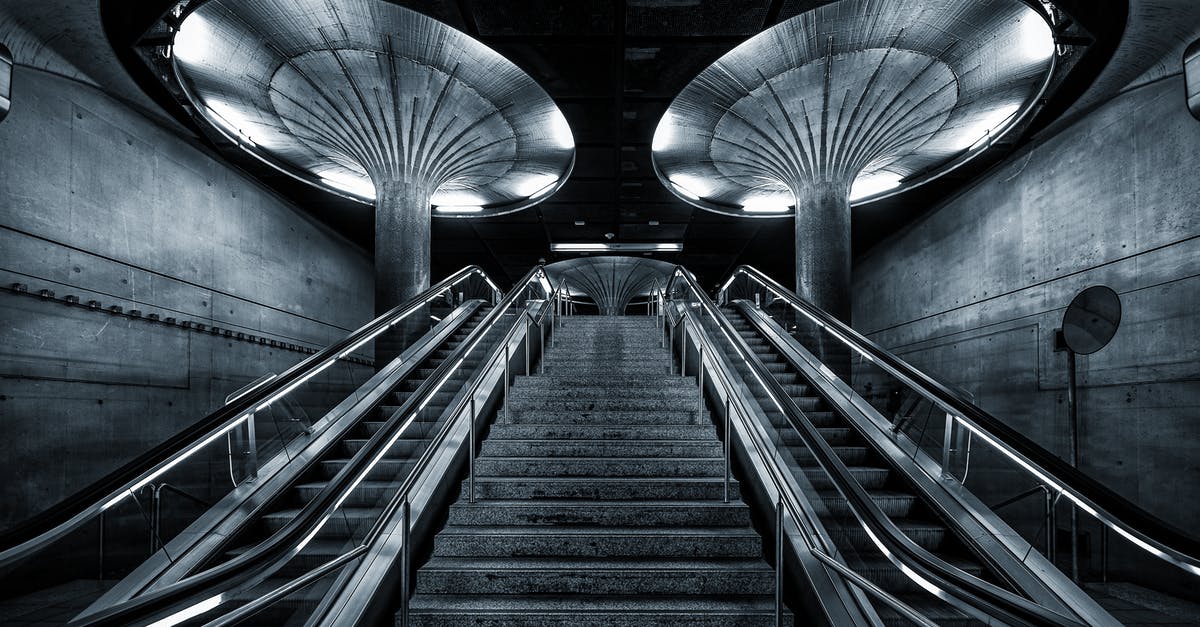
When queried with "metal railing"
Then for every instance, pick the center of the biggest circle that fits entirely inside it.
(1114, 512)
(27, 538)
(400, 501)
(962, 590)
(207, 591)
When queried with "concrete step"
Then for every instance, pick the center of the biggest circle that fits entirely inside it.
(602, 576)
(494, 447)
(616, 367)
(605, 403)
(604, 417)
(608, 380)
(604, 489)
(504, 610)
(629, 432)
(598, 541)
(595, 392)
(647, 513)
(599, 467)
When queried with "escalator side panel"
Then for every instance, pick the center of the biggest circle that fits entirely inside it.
(196, 544)
(987, 536)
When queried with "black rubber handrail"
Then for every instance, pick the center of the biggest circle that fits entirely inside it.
(44, 528)
(272, 553)
(967, 590)
(1144, 529)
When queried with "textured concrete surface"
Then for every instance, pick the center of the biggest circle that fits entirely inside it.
(99, 202)
(572, 526)
(823, 247)
(973, 292)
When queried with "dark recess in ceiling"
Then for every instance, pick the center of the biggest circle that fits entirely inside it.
(613, 66)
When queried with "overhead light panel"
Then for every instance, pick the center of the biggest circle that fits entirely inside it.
(630, 247)
(874, 183)
(355, 185)
(765, 205)
(458, 208)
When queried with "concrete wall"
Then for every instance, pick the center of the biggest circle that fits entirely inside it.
(98, 202)
(974, 291)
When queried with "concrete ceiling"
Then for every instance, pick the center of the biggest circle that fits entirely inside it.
(612, 66)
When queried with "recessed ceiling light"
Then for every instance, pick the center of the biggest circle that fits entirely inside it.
(874, 183)
(459, 209)
(631, 247)
(653, 223)
(579, 223)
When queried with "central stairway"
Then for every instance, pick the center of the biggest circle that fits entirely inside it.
(599, 501)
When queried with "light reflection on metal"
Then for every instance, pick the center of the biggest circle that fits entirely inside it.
(612, 282)
(853, 89)
(351, 95)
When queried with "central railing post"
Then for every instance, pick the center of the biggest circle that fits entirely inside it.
(506, 358)
(471, 461)
(728, 443)
(700, 381)
(405, 551)
(779, 563)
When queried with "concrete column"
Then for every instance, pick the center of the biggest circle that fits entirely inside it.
(823, 247)
(402, 234)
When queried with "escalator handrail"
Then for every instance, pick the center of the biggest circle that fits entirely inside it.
(401, 495)
(1144, 529)
(924, 568)
(47, 526)
(264, 558)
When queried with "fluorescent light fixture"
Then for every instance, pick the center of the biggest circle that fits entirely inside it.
(194, 39)
(1035, 42)
(457, 198)
(760, 204)
(874, 183)
(987, 126)
(350, 183)
(692, 187)
(560, 131)
(537, 186)
(230, 119)
(580, 223)
(459, 209)
(631, 247)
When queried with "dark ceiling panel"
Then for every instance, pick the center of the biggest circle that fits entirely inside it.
(543, 17)
(662, 71)
(565, 69)
(694, 17)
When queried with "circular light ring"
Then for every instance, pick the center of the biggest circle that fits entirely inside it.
(856, 88)
(339, 93)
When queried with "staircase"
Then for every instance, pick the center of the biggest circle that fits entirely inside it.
(886, 487)
(599, 501)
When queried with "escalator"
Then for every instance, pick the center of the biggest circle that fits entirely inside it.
(887, 486)
(365, 504)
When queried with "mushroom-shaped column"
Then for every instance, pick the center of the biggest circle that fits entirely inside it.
(612, 282)
(378, 103)
(849, 101)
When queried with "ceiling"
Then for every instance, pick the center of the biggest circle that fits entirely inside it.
(612, 66)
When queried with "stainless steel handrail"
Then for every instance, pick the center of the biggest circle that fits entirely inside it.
(56, 522)
(400, 500)
(287, 542)
(1130, 521)
(930, 572)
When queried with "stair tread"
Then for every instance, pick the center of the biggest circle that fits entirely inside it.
(575, 603)
(564, 563)
(597, 530)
